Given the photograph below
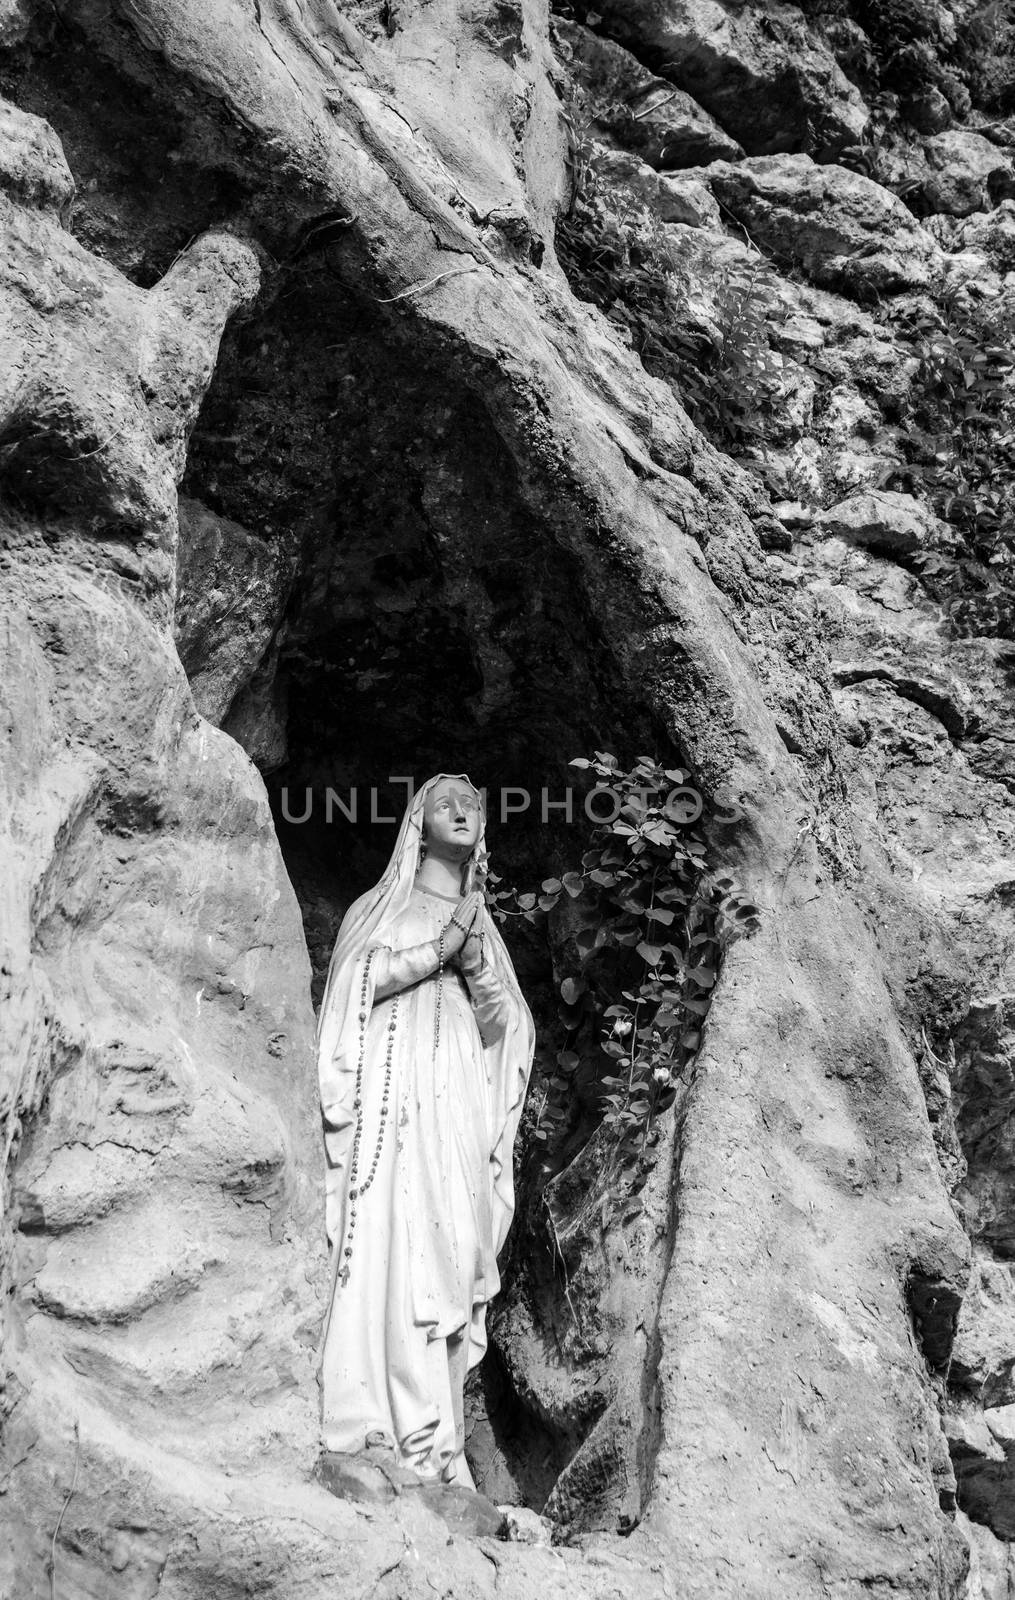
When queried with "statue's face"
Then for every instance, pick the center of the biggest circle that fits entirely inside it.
(451, 818)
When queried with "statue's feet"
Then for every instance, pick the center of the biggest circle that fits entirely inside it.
(380, 1440)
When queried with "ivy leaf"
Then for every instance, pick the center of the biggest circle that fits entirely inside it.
(572, 990)
(657, 914)
(672, 896)
(580, 762)
(633, 901)
(606, 879)
(574, 883)
(526, 902)
(650, 953)
(547, 901)
(666, 1020)
(551, 886)
(659, 832)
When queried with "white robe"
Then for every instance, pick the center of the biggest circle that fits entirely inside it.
(423, 1264)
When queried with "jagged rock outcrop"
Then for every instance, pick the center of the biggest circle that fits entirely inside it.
(966, 173)
(884, 522)
(644, 113)
(418, 455)
(232, 589)
(763, 73)
(843, 230)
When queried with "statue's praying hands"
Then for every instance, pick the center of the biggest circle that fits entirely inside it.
(467, 950)
(460, 932)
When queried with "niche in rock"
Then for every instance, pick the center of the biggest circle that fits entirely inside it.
(367, 596)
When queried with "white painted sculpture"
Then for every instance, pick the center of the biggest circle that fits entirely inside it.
(425, 1046)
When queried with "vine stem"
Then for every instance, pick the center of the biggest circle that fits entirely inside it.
(428, 283)
(542, 1107)
(67, 1501)
(563, 1263)
(638, 1002)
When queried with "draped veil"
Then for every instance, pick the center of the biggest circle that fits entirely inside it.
(508, 1058)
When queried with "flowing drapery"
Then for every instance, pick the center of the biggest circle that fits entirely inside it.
(428, 1231)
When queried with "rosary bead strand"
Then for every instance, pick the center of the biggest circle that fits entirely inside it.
(440, 978)
(357, 1192)
(440, 991)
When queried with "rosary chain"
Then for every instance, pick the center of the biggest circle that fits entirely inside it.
(356, 1192)
(440, 990)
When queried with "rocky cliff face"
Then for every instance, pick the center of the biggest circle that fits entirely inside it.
(388, 388)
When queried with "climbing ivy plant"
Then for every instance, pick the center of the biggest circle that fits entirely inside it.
(647, 916)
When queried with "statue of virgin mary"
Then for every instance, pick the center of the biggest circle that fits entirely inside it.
(425, 1046)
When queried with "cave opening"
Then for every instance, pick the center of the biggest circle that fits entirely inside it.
(397, 609)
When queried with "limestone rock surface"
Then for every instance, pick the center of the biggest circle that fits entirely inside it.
(983, 1359)
(32, 164)
(762, 73)
(993, 235)
(231, 588)
(644, 113)
(842, 229)
(884, 521)
(967, 173)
